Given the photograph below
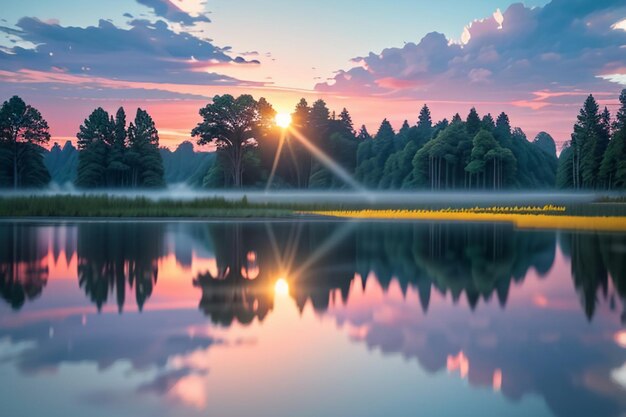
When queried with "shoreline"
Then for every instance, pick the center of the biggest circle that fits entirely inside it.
(524, 221)
(518, 221)
(594, 215)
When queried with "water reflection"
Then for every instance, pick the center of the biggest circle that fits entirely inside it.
(112, 256)
(497, 307)
(23, 272)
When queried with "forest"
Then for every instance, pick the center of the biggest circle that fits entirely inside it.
(464, 153)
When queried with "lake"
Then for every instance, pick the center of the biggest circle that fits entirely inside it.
(310, 318)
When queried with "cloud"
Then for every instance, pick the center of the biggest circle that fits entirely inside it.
(175, 13)
(146, 52)
(506, 57)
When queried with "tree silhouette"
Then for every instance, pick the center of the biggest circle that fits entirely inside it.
(22, 133)
(231, 124)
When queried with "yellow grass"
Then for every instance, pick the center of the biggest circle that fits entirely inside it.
(524, 219)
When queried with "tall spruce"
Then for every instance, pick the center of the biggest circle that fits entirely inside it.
(143, 141)
(117, 167)
(588, 145)
(613, 166)
(94, 138)
(473, 122)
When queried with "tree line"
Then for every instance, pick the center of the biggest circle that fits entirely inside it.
(477, 262)
(463, 153)
(595, 157)
(470, 153)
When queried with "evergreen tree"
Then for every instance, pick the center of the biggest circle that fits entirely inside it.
(112, 156)
(117, 167)
(613, 166)
(346, 122)
(94, 137)
(383, 143)
(588, 145)
(438, 127)
(502, 130)
(488, 123)
(403, 136)
(319, 118)
(425, 121)
(473, 123)
(22, 132)
(319, 135)
(363, 134)
(299, 163)
(564, 179)
(147, 164)
(372, 154)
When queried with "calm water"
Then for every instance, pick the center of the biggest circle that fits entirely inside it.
(310, 319)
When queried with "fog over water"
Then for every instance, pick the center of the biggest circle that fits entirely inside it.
(372, 198)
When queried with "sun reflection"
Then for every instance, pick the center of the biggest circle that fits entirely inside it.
(497, 380)
(620, 338)
(281, 287)
(459, 362)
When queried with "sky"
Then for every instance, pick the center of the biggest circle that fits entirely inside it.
(535, 60)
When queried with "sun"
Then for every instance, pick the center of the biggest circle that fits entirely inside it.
(283, 120)
(281, 287)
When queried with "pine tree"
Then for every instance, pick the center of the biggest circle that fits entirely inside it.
(613, 166)
(319, 135)
(143, 139)
(117, 167)
(94, 137)
(564, 178)
(383, 143)
(425, 121)
(502, 130)
(473, 122)
(588, 145)
(403, 136)
(488, 123)
(363, 134)
(346, 121)
(22, 132)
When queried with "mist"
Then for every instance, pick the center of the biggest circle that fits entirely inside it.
(365, 198)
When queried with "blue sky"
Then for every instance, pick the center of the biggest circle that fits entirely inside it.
(299, 35)
(535, 60)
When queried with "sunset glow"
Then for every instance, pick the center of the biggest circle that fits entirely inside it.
(53, 59)
(318, 208)
(283, 120)
(281, 287)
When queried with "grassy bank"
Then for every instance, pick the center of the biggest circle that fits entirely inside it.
(107, 206)
(605, 215)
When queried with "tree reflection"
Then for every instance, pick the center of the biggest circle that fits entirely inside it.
(595, 258)
(475, 260)
(23, 270)
(471, 261)
(110, 255)
(238, 290)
